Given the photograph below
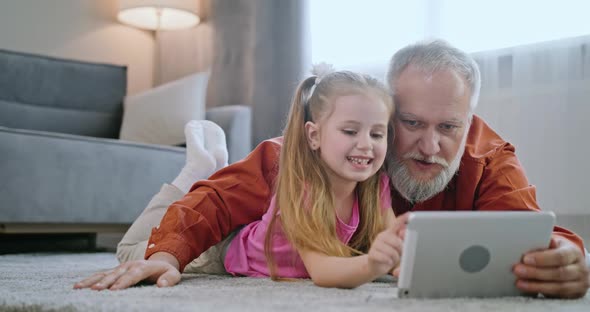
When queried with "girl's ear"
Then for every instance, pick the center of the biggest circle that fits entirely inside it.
(312, 132)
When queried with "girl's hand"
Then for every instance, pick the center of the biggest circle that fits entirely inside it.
(386, 250)
(159, 269)
(396, 271)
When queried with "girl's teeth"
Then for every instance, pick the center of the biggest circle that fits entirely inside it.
(359, 161)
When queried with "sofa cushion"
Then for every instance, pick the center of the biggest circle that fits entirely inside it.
(158, 115)
(57, 95)
(56, 178)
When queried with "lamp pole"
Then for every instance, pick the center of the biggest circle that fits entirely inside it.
(157, 52)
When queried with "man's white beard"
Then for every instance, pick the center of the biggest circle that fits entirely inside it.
(415, 190)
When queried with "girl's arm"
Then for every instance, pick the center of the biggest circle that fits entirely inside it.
(350, 272)
(341, 272)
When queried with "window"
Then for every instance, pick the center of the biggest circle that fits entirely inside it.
(365, 34)
(347, 32)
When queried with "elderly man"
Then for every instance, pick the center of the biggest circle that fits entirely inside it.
(443, 158)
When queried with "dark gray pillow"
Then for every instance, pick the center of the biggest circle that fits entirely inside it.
(58, 95)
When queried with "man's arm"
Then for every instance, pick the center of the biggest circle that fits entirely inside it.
(504, 186)
(235, 195)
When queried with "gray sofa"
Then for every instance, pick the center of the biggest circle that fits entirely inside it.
(63, 169)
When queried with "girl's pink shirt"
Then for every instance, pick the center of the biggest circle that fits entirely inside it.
(245, 254)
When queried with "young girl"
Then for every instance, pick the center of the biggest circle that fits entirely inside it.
(331, 217)
(332, 200)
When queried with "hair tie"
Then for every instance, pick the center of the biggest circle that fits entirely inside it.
(321, 70)
(312, 89)
(307, 114)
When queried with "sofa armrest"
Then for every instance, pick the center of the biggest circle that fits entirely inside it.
(60, 178)
(236, 122)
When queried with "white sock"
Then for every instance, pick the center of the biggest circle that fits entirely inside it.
(201, 161)
(215, 143)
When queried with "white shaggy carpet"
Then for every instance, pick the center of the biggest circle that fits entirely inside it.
(43, 282)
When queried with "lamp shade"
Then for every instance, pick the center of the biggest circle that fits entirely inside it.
(159, 14)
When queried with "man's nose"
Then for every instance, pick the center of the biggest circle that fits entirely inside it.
(429, 144)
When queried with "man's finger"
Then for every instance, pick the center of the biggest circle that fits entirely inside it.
(560, 256)
(553, 243)
(570, 272)
(562, 290)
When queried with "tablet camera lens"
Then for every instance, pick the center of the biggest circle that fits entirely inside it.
(474, 259)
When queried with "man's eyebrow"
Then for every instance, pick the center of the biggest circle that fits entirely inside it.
(455, 121)
(406, 115)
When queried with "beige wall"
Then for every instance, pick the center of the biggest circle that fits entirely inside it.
(184, 52)
(84, 30)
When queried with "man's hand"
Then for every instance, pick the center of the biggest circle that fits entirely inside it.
(559, 271)
(161, 268)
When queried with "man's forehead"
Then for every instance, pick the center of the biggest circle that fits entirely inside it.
(427, 74)
(442, 93)
(453, 117)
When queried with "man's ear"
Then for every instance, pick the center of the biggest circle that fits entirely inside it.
(312, 132)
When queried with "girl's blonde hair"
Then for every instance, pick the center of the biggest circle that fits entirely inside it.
(303, 191)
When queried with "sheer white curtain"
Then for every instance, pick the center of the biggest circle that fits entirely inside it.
(364, 35)
(537, 97)
(535, 63)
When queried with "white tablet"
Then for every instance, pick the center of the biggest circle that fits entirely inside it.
(468, 254)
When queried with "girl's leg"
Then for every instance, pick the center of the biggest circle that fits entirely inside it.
(206, 153)
(134, 243)
(212, 260)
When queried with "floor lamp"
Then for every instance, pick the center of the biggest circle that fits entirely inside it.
(157, 15)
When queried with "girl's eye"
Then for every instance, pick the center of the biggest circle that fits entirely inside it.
(377, 135)
(349, 132)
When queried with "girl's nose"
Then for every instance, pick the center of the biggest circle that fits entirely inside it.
(364, 142)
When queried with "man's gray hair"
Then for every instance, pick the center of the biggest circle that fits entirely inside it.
(432, 56)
